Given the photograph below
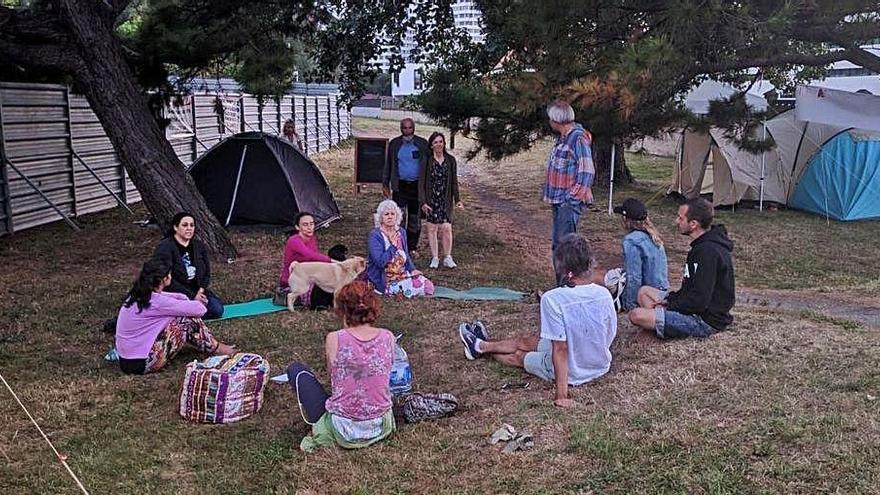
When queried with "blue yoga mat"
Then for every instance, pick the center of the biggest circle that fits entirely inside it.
(250, 308)
(479, 294)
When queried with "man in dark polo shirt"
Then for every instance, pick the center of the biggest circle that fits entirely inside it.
(400, 178)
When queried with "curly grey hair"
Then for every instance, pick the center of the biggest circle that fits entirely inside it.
(384, 206)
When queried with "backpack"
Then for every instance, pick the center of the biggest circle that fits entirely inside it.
(422, 407)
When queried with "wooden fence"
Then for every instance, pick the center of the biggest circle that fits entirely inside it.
(58, 164)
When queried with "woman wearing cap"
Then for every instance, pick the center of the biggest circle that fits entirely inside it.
(644, 258)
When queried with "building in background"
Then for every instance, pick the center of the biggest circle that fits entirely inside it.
(410, 80)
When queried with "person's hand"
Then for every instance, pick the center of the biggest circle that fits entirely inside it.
(386, 192)
(201, 297)
(427, 209)
(564, 403)
(416, 273)
(459, 205)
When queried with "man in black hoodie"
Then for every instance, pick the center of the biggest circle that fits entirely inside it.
(702, 306)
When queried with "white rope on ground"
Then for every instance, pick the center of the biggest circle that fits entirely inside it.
(57, 454)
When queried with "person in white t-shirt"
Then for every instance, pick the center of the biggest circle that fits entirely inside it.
(578, 324)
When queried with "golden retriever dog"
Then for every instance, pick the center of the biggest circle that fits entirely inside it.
(330, 277)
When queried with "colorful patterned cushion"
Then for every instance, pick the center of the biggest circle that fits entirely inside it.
(223, 389)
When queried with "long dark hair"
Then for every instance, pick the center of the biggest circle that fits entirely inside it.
(175, 221)
(148, 280)
(299, 216)
(434, 135)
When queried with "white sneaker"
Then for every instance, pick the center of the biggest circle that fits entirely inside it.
(435, 262)
(448, 262)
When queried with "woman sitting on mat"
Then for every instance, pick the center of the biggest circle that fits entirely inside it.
(153, 325)
(302, 246)
(359, 358)
(190, 264)
(389, 266)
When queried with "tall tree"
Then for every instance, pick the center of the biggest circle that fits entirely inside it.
(625, 64)
(116, 52)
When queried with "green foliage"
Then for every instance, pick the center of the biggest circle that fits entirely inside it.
(625, 65)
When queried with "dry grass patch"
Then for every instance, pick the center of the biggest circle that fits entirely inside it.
(781, 403)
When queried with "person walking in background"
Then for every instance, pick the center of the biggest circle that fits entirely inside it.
(438, 192)
(400, 178)
(289, 134)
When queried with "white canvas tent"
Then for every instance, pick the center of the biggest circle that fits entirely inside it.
(819, 164)
(709, 163)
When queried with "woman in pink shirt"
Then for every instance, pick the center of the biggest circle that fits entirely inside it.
(153, 326)
(359, 357)
(302, 246)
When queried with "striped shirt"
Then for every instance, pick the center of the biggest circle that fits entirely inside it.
(570, 169)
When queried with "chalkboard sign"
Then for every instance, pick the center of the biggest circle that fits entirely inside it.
(369, 160)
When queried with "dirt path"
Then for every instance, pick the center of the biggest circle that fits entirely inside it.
(522, 229)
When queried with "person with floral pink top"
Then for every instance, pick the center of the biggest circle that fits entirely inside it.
(357, 413)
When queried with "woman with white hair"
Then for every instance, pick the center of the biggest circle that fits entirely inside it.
(389, 266)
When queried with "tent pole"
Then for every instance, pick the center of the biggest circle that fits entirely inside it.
(681, 160)
(763, 168)
(611, 181)
(237, 182)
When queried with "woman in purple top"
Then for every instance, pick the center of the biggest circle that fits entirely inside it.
(154, 325)
(389, 266)
(302, 246)
(359, 357)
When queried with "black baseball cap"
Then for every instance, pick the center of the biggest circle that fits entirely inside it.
(632, 209)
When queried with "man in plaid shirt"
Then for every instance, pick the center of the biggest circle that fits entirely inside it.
(570, 171)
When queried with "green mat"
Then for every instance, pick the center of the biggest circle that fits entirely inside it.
(264, 306)
(479, 294)
(250, 308)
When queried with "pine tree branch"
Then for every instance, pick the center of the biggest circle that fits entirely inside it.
(774, 61)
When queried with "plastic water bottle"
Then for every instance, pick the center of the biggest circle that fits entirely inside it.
(401, 373)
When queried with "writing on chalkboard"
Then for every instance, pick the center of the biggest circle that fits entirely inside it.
(369, 160)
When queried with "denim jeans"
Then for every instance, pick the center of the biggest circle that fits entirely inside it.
(407, 198)
(672, 324)
(215, 307)
(565, 220)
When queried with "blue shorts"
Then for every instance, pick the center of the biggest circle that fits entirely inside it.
(671, 324)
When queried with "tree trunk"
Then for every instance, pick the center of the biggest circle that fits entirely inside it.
(602, 162)
(120, 105)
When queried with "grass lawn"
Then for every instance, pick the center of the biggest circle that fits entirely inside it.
(781, 403)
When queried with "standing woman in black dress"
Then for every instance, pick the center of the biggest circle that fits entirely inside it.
(438, 192)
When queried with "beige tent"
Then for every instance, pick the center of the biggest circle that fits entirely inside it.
(709, 163)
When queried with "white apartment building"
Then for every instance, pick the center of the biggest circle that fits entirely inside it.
(410, 80)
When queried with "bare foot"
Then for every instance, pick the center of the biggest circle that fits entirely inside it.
(225, 349)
